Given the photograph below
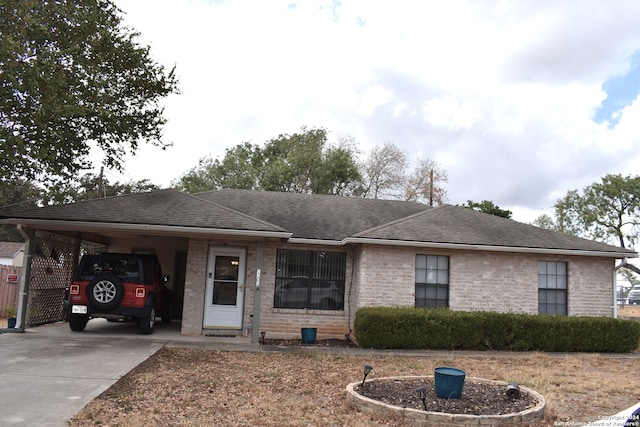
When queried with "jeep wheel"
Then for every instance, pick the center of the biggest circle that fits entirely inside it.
(77, 322)
(105, 291)
(146, 323)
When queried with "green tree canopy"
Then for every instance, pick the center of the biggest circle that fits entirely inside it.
(17, 195)
(91, 186)
(74, 76)
(488, 207)
(608, 211)
(299, 163)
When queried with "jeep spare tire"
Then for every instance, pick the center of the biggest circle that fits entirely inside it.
(105, 291)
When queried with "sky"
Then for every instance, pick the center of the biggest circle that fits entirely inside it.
(519, 101)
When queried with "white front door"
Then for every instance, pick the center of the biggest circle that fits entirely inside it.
(225, 288)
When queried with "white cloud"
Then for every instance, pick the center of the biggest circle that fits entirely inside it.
(501, 92)
(448, 112)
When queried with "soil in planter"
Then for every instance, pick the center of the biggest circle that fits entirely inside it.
(477, 398)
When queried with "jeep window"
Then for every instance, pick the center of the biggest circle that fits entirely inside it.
(310, 279)
(125, 268)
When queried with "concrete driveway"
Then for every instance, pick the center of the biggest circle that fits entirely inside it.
(49, 373)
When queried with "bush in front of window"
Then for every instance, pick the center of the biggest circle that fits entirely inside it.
(443, 329)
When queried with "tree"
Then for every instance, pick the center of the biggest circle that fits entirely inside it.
(292, 162)
(91, 186)
(545, 221)
(384, 172)
(607, 211)
(298, 163)
(425, 183)
(17, 195)
(73, 76)
(238, 169)
(487, 207)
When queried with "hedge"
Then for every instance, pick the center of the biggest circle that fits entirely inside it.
(444, 329)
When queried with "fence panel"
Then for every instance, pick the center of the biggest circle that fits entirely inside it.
(9, 287)
(51, 271)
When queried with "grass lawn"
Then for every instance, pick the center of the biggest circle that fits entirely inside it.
(197, 387)
(177, 386)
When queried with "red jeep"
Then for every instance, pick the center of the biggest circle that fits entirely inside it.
(119, 287)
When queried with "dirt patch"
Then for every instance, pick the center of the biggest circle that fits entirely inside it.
(477, 398)
(299, 343)
(629, 311)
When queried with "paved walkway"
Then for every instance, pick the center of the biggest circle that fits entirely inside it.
(49, 373)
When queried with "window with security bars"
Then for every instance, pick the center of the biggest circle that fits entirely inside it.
(552, 287)
(432, 281)
(310, 279)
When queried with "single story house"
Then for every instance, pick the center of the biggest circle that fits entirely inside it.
(286, 261)
(11, 253)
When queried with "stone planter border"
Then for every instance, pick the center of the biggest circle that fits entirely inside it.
(428, 418)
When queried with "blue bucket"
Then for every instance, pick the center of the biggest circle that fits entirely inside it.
(308, 335)
(449, 382)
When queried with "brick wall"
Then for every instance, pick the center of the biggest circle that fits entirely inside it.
(194, 287)
(277, 323)
(488, 281)
(283, 323)
(385, 276)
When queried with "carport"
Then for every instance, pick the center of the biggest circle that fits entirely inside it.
(163, 222)
(51, 257)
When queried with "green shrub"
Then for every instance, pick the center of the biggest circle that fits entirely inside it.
(417, 328)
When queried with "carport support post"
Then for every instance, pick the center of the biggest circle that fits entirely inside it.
(256, 295)
(25, 280)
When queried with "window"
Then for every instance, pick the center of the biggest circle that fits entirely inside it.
(552, 287)
(310, 279)
(432, 281)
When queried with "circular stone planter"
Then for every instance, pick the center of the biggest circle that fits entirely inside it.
(428, 418)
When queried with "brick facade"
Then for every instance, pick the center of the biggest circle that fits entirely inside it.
(385, 276)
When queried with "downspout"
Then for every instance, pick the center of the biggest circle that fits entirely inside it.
(23, 296)
(615, 287)
(256, 296)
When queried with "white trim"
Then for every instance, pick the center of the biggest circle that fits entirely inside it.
(322, 242)
(491, 248)
(200, 231)
(143, 228)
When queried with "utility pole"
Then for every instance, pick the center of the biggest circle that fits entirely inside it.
(100, 182)
(431, 187)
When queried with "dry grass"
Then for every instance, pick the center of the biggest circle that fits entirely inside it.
(198, 387)
(186, 387)
(629, 310)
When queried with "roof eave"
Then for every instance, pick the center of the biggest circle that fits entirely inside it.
(474, 247)
(148, 229)
(324, 242)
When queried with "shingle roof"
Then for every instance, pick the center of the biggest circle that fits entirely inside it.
(10, 249)
(316, 217)
(165, 207)
(456, 225)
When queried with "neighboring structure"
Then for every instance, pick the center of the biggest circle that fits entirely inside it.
(11, 253)
(293, 260)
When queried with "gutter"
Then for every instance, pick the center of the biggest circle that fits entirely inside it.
(23, 295)
(143, 228)
(472, 247)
